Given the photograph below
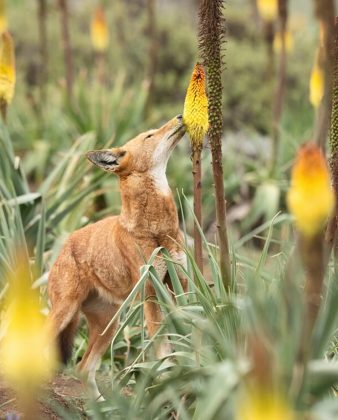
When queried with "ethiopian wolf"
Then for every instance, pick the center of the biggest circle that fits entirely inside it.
(100, 263)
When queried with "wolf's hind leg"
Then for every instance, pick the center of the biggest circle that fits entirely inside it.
(98, 316)
(66, 293)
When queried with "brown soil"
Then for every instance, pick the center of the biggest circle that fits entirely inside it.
(63, 393)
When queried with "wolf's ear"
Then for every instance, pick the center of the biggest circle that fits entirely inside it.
(109, 160)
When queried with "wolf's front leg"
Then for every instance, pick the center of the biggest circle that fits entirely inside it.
(152, 309)
(154, 318)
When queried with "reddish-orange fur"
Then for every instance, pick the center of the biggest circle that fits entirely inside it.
(100, 263)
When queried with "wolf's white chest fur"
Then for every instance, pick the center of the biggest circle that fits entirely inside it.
(160, 180)
(160, 160)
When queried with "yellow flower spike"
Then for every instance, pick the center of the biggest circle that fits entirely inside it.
(317, 82)
(259, 405)
(268, 9)
(99, 31)
(195, 112)
(7, 68)
(310, 198)
(3, 18)
(277, 42)
(24, 344)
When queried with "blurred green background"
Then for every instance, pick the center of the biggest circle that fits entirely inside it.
(41, 130)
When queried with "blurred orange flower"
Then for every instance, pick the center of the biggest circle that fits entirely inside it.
(317, 80)
(24, 338)
(277, 42)
(99, 31)
(259, 405)
(268, 9)
(7, 68)
(310, 198)
(195, 113)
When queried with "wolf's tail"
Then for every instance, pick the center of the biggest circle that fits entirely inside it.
(66, 339)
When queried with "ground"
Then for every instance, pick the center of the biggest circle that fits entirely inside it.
(64, 392)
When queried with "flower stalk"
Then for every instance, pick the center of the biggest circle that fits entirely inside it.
(325, 12)
(43, 41)
(268, 11)
(331, 231)
(195, 117)
(211, 36)
(281, 82)
(152, 37)
(67, 50)
(311, 201)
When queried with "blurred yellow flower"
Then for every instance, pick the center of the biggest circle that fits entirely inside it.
(7, 68)
(310, 198)
(99, 31)
(3, 18)
(24, 343)
(195, 112)
(268, 9)
(277, 42)
(316, 85)
(259, 405)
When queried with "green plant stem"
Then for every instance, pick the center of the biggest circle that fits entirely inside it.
(280, 90)
(211, 34)
(3, 110)
(254, 13)
(67, 50)
(152, 52)
(269, 35)
(225, 264)
(42, 22)
(197, 177)
(325, 11)
(100, 59)
(331, 231)
(312, 254)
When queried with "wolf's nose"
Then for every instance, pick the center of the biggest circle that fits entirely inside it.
(180, 117)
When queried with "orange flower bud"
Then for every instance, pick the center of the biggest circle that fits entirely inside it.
(195, 113)
(268, 9)
(7, 68)
(310, 198)
(317, 81)
(99, 31)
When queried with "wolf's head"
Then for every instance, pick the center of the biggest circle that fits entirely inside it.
(147, 152)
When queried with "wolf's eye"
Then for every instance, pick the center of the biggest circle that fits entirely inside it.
(148, 136)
